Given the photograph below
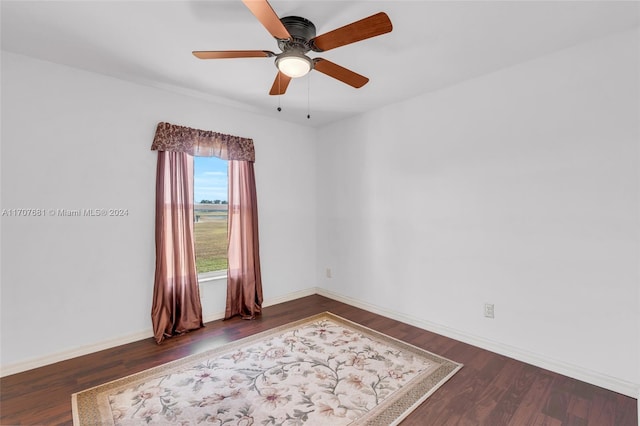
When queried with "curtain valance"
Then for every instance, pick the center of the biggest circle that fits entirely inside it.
(202, 143)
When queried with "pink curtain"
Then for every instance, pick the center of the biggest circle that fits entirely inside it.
(176, 296)
(244, 283)
(176, 300)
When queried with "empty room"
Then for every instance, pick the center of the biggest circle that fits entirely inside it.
(293, 212)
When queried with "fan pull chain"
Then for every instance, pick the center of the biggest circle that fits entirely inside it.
(308, 96)
(279, 94)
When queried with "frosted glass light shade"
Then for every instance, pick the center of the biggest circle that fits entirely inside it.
(294, 65)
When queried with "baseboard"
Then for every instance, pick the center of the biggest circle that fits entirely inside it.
(593, 377)
(290, 296)
(146, 334)
(19, 367)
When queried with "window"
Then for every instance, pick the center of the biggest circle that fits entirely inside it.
(210, 191)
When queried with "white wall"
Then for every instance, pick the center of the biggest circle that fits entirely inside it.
(73, 140)
(518, 188)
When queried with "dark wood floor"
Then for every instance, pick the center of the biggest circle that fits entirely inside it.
(490, 390)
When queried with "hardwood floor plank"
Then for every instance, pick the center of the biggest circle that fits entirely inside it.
(602, 411)
(533, 402)
(578, 411)
(520, 384)
(542, 420)
(490, 389)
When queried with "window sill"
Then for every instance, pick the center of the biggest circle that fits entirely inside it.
(212, 276)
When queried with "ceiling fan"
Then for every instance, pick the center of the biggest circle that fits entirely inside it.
(296, 36)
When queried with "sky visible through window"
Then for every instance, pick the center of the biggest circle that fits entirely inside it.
(209, 179)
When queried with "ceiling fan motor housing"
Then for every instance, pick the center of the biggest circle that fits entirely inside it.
(302, 31)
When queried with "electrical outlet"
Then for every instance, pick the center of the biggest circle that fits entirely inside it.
(488, 310)
(328, 272)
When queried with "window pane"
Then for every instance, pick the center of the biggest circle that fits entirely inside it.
(210, 210)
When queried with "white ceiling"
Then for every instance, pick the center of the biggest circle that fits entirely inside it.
(432, 45)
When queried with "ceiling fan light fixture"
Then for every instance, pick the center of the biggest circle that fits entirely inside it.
(294, 64)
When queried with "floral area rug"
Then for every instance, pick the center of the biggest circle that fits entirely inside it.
(323, 370)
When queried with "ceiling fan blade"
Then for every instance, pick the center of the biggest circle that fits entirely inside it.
(363, 29)
(226, 54)
(268, 18)
(347, 76)
(280, 84)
